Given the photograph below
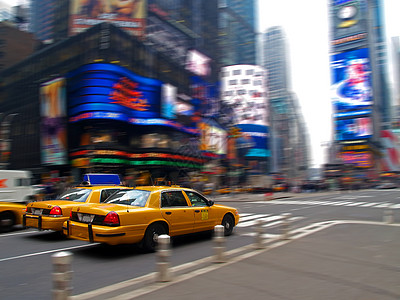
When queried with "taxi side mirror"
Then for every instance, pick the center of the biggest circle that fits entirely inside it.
(210, 203)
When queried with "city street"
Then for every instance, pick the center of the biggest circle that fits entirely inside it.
(339, 240)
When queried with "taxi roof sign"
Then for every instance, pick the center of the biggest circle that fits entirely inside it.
(102, 179)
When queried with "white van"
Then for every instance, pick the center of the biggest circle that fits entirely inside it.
(16, 186)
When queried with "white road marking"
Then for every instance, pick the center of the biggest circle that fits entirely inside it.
(46, 252)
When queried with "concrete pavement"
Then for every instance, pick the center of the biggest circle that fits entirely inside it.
(330, 260)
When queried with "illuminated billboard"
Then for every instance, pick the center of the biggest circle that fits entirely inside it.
(53, 122)
(351, 87)
(213, 138)
(255, 139)
(109, 91)
(353, 129)
(127, 14)
(243, 87)
(362, 159)
(198, 63)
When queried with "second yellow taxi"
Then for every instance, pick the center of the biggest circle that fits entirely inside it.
(51, 214)
(142, 214)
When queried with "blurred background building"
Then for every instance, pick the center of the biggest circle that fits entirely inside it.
(142, 92)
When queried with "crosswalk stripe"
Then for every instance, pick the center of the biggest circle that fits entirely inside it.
(251, 217)
(369, 204)
(253, 222)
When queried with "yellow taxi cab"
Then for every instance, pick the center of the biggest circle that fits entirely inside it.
(140, 215)
(10, 215)
(51, 214)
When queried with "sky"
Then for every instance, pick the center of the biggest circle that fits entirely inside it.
(306, 27)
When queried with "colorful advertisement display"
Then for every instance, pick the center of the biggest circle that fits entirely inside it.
(351, 88)
(53, 122)
(255, 139)
(108, 91)
(361, 159)
(243, 87)
(213, 138)
(353, 129)
(127, 14)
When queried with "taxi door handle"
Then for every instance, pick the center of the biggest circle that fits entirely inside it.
(168, 212)
(197, 211)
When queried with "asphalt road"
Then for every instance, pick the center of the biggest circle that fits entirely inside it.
(25, 255)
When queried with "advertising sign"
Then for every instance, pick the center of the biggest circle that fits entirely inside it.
(53, 122)
(198, 63)
(351, 87)
(256, 139)
(391, 151)
(109, 91)
(349, 22)
(359, 159)
(243, 87)
(127, 14)
(213, 138)
(353, 129)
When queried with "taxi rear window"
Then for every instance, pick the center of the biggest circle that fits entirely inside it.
(77, 195)
(129, 197)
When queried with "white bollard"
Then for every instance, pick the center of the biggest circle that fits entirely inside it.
(62, 275)
(388, 217)
(219, 248)
(286, 226)
(163, 254)
(259, 233)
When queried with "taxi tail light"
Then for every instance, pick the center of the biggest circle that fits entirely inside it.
(56, 211)
(111, 219)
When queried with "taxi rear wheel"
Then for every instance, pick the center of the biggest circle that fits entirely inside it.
(7, 221)
(228, 222)
(150, 239)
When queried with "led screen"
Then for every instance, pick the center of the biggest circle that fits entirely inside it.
(53, 122)
(351, 80)
(353, 129)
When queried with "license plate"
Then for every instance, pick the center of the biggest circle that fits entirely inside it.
(37, 211)
(85, 218)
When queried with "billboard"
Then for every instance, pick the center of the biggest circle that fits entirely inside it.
(255, 139)
(53, 122)
(127, 14)
(213, 138)
(362, 159)
(109, 91)
(351, 87)
(353, 129)
(391, 151)
(198, 63)
(243, 87)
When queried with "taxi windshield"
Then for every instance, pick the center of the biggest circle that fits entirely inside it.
(129, 197)
(76, 195)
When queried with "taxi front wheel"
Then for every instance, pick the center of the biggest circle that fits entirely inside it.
(228, 222)
(150, 239)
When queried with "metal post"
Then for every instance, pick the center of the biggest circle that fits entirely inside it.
(285, 226)
(164, 254)
(219, 248)
(388, 215)
(62, 275)
(259, 232)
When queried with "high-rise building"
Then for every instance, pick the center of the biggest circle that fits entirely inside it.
(289, 139)
(42, 19)
(359, 87)
(237, 36)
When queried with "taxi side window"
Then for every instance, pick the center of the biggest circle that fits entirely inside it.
(173, 198)
(107, 193)
(196, 199)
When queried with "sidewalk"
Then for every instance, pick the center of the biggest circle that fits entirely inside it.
(343, 260)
